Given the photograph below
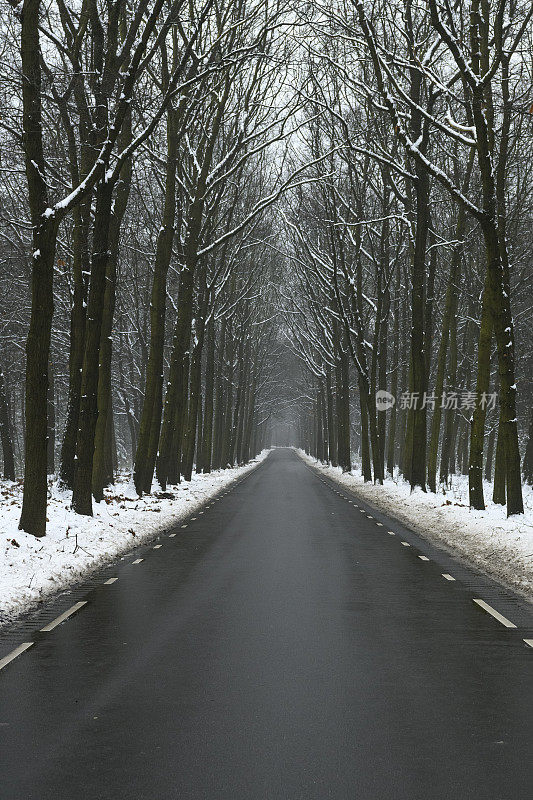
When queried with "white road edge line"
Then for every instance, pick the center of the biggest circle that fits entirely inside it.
(496, 614)
(110, 580)
(137, 561)
(447, 576)
(529, 642)
(62, 617)
(14, 653)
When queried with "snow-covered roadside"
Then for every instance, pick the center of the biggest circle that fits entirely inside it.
(31, 569)
(500, 547)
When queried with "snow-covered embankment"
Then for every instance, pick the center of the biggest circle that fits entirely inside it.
(498, 546)
(32, 569)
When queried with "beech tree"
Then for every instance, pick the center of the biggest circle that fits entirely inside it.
(226, 225)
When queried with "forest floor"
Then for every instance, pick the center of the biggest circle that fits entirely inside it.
(498, 546)
(33, 569)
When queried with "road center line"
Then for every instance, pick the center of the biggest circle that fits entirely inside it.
(447, 576)
(494, 613)
(14, 653)
(62, 617)
(109, 581)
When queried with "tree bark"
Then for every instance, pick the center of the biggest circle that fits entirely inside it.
(146, 454)
(5, 432)
(44, 233)
(82, 492)
(209, 391)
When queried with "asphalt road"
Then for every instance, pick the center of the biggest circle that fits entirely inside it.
(283, 645)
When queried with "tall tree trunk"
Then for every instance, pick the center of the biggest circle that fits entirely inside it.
(209, 391)
(450, 310)
(499, 489)
(416, 440)
(498, 279)
(248, 446)
(100, 476)
(5, 432)
(44, 233)
(528, 456)
(82, 492)
(195, 387)
(220, 399)
(51, 423)
(477, 433)
(80, 265)
(450, 428)
(366, 467)
(146, 454)
(391, 446)
(332, 430)
(226, 435)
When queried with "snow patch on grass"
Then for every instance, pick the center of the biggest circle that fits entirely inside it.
(499, 546)
(32, 569)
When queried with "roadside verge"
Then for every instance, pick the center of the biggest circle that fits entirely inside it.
(498, 546)
(32, 570)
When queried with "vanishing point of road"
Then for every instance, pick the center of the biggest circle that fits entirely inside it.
(288, 642)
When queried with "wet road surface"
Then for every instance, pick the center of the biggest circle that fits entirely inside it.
(284, 645)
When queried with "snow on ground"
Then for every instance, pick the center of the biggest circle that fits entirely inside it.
(500, 547)
(31, 569)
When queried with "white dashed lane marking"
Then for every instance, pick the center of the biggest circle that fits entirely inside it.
(14, 653)
(496, 614)
(62, 617)
(157, 546)
(446, 575)
(110, 580)
(137, 561)
(171, 535)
